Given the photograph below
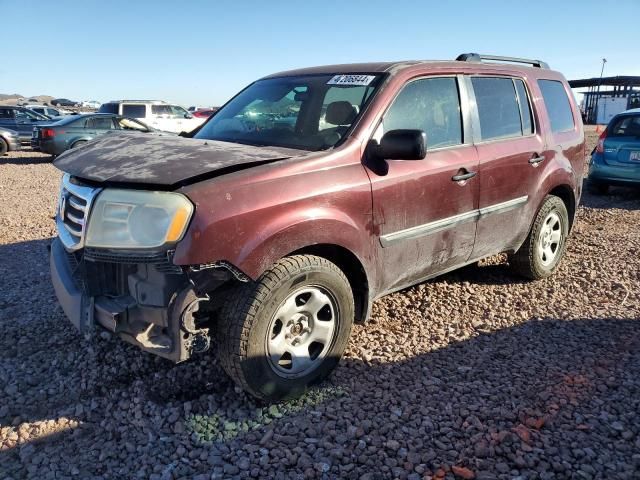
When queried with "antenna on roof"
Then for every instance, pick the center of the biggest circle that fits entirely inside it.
(477, 57)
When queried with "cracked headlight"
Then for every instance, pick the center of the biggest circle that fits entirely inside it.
(137, 219)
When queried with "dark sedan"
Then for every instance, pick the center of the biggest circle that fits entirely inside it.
(77, 130)
(21, 120)
(64, 102)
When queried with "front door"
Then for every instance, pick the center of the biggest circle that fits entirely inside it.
(425, 210)
(511, 151)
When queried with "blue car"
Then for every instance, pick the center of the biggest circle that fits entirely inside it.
(76, 130)
(616, 158)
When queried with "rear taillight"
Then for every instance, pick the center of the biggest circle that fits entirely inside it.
(601, 139)
(48, 133)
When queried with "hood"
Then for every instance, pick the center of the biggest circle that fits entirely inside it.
(162, 160)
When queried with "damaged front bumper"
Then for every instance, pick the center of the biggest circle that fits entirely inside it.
(143, 298)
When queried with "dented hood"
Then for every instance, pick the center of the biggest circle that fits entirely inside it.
(162, 161)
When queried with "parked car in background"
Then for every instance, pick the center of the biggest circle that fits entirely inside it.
(205, 113)
(616, 158)
(9, 141)
(64, 102)
(269, 232)
(91, 104)
(76, 130)
(22, 120)
(155, 113)
(198, 109)
(46, 111)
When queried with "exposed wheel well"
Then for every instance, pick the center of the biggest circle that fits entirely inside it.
(565, 193)
(352, 268)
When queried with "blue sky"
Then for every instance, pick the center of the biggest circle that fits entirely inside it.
(202, 52)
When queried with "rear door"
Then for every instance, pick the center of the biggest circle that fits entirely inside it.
(622, 143)
(98, 125)
(425, 217)
(511, 151)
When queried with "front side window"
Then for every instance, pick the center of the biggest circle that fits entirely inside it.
(131, 124)
(558, 106)
(431, 105)
(28, 115)
(134, 111)
(311, 112)
(177, 112)
(498, 108)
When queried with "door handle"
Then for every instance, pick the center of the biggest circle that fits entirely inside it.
(463, 176)
(536, 160)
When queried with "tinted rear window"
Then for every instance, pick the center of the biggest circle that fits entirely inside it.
(108, 108)
(133, 111)
(625, 126)
(497, 108)
(558, 106)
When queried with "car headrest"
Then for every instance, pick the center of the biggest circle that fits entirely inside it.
(340, 113)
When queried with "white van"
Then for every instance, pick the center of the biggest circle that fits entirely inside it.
(155, 113)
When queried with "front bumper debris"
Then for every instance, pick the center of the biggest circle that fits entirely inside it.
(143, 298)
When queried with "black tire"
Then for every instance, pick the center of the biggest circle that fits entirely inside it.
(4, 147)
(597, 188)
(79, 143)
(246, 319)
(529, 261)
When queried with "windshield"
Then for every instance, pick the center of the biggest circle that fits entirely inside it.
(311, 112)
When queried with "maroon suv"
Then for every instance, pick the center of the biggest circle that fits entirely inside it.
(307, 196)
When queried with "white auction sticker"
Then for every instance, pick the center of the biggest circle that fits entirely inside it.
(360, 80)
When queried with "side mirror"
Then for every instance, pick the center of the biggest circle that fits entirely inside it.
(188, 115)
(402, 145)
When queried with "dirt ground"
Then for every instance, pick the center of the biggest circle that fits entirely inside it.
(476, 374)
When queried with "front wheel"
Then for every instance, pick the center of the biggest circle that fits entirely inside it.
(540, 254)
(288, 329)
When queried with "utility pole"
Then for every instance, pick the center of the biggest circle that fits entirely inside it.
(604, 60)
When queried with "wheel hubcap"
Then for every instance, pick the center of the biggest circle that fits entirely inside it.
(301, 332)
(550, 238)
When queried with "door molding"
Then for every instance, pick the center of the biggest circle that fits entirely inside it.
(450, 222)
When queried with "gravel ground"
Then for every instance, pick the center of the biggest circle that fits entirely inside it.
(476, 374)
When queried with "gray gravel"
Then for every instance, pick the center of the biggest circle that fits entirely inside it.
(476, 374)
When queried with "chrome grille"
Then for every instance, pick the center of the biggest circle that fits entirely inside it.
(73, 212)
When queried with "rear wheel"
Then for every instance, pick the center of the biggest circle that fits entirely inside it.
(4, 147)
(540, 254)
(287, 330)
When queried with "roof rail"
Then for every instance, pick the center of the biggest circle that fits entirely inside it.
(476, 57)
